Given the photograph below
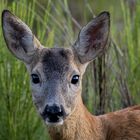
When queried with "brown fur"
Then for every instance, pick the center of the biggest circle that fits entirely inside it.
(81, 125)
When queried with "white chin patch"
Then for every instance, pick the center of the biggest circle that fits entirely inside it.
(60, 122)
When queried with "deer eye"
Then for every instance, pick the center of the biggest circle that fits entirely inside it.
(35, 78)
(75, 79)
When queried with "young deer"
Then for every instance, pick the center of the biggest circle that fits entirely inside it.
(56, 81)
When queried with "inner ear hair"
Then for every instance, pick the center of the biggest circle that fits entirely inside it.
(93, 37)
(18, 36)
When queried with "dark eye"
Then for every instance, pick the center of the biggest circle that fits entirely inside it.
(75, 79)
(35, 78)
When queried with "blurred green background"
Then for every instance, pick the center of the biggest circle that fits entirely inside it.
(111, 82)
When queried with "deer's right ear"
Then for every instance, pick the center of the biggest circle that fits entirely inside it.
(19, 38)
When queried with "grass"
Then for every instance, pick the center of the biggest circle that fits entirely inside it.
(55, 23)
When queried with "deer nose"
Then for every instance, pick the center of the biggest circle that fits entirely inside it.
(53, 113)
(53, 110)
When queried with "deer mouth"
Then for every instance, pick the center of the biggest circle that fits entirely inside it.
(54, 121)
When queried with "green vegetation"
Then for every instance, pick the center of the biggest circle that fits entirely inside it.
(57, 22)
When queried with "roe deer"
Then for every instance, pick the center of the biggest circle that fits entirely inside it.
(56, 82)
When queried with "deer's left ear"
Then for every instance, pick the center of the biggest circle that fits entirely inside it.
(19, 38)
(93, 38)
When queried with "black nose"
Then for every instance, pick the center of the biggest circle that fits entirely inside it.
(53, 110)
(53, 113)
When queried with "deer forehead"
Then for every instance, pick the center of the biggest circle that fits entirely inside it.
(56, 62)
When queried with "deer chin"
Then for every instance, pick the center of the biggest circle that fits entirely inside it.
(52, 123)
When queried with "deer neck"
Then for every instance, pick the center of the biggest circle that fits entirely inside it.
(80, 124)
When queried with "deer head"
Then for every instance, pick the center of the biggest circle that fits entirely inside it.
(55, 73)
